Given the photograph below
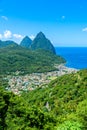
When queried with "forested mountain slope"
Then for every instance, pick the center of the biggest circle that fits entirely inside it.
(62, 105)
(16, 58)
(65, 98)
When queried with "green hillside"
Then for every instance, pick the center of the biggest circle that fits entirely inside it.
(61, 106)
(16, 114)
(16, 58)
(66, 99)
(6, 43)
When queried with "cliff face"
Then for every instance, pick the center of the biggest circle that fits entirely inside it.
(41, 42)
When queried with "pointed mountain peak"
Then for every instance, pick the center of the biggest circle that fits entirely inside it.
(26, 38)
(26, 42)
(41, 42)
(40, 35)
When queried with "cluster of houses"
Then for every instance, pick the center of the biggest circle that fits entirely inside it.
(32, 81)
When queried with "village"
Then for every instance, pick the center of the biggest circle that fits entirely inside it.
(29, 82)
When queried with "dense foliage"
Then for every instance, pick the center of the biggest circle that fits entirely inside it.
(66, 99)
(41, 42)
(61, 106)
(17, 114)
(26, 42)
(16, 58)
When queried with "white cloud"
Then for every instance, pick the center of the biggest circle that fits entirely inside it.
(7, 34)
(18, 36)
(32, 37)
(63, 17)
(1, 36)
(84, 29)
(4, 17)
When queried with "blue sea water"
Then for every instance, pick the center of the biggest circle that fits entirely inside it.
(76, 57)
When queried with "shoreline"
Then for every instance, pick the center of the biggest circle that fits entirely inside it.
(62, 67)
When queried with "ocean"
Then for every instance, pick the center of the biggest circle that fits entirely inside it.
(76, 57)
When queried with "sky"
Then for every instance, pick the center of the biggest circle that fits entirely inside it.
(64, 22)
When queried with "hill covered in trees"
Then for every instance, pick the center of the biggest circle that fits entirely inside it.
(66, 99)
(6, 43)
(28, 57)
(16, 58)
(60, 106)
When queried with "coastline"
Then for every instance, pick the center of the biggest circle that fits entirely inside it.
(76, 57)
(62, 67)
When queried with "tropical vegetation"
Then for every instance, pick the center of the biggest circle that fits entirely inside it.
(60, 106)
